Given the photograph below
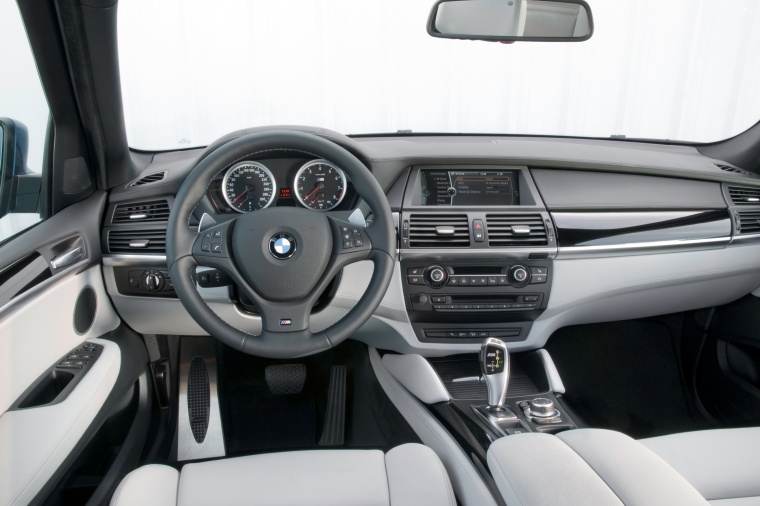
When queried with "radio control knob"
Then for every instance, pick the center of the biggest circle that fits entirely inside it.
(518, 276)
(436, 276)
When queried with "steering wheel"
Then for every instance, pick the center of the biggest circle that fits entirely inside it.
(282, 258)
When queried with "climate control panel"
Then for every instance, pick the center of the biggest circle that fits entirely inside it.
(517, 276)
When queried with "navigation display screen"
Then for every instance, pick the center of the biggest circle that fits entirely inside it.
(469, 188)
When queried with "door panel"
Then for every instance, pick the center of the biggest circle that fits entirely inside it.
(39, 331)
(52, 300)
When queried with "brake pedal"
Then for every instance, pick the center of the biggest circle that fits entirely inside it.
(335, 420)
(285, 379)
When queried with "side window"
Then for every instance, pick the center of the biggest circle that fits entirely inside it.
(24, 116)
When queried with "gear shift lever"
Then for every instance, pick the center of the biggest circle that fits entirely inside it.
(494, 363)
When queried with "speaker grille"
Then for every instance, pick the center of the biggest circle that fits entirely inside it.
(198, 398)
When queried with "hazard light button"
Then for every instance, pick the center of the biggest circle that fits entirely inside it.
(478, 231)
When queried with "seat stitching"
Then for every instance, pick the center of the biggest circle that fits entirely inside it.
(449, 488)
(506, 478)
(469, 478)
(593, 469)
(120, 488)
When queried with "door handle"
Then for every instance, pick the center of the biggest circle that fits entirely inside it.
(67, 258)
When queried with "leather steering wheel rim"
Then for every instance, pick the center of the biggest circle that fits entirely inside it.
(183, 253)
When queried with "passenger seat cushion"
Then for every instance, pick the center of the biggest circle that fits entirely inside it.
(317, 477)
(719, 463)
(416, 477)
(149, 485)
(625, 465)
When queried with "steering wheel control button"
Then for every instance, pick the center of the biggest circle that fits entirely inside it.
(206, 243)
(282, 246)
(436, 276)
(518, 276)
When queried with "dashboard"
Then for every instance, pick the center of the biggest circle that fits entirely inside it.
(254, 184)
(497, 237)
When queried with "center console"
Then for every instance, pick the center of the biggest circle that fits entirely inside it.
(476, 250)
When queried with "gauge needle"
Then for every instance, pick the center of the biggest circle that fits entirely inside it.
(236, 198)
(315, 198)
(316, 187)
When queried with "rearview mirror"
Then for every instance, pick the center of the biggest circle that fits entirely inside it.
(512, 20)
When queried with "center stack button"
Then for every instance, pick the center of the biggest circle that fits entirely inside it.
(436, 276)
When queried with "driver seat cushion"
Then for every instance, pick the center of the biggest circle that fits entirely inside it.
(411, 474)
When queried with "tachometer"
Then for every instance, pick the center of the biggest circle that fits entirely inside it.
(320, 185)
(248, 186)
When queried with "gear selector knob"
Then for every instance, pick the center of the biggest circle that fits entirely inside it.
(494, 363)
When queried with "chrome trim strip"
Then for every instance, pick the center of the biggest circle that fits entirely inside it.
(745, 239)
(127, 259)
(552, 374)
(44, 285)
(498, 254)
(641, 247)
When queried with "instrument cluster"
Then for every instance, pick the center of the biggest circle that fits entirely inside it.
(251, 185)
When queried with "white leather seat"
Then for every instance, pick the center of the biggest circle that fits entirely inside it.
(410, 474)
(594, 467)
(723, 464)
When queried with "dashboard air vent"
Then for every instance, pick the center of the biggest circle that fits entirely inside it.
(150, 178)
(745, 195)
(731, 168)
(516, 230)
(137, 241)
(154, 210)
(749, 222)
(439, 231)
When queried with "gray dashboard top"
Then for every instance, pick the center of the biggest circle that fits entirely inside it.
(389, 156)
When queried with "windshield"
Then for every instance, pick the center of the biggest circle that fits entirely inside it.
(195, 70)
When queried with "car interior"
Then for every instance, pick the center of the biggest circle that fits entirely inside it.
(292, 313)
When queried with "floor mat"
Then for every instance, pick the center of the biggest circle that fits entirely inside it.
(624, 376)
(256, 421)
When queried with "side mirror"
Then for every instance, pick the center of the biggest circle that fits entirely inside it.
(512, 20)
(19, 187)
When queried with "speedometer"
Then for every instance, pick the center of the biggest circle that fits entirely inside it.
(320, 185)
(248, 186)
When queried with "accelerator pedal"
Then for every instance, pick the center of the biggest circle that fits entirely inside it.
(335, 419)
(285, 379)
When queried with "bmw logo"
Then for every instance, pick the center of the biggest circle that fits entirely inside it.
(282, 246)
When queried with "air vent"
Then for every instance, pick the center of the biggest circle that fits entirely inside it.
(745, 195)
(749, 222)
(154, 210)
(150, 178)
(731, 168)
(516, 230)
(137, 241)
(439, 231)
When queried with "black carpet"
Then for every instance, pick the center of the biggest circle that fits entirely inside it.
(625, 376)
(256, 421)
